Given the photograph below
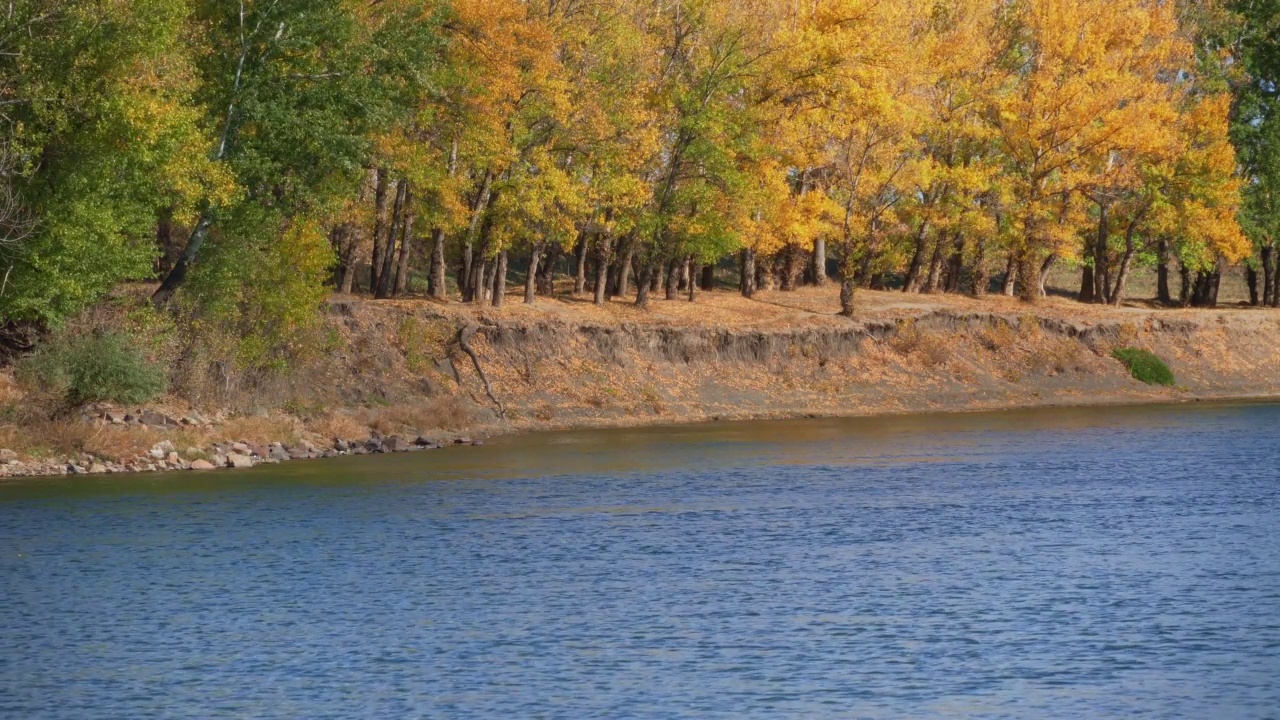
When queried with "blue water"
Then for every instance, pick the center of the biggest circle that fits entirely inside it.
(1092, 563)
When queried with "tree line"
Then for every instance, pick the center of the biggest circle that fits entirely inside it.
(253, 155)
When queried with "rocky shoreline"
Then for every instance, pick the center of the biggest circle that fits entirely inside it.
(165, 456)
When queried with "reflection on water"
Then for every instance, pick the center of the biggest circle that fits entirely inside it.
(1109, 562)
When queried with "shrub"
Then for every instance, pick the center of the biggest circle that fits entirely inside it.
(1144, 366)
(93, 368)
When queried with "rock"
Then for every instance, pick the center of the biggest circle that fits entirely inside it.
(258, 450)
(477, 443)
(219, 460)
(462, 441)
(331, 454)
(359, 450)
(202, 465)
(7, 455)
(240, 447)
(237, 460)
(341, 445)
(130, 418)
(192, 452)
(97, 469)
(113, 418)
(155, 419)
(75, 469)
(156, 453)
(305, 446)
(173, 458)
(374, 445)
(396, 444)
(277, 452)
(424, 442)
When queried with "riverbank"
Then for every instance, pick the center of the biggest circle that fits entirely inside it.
(418, 374)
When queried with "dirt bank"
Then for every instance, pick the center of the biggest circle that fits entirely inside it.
(406, 369)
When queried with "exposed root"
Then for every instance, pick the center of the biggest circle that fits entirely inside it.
(464, 342)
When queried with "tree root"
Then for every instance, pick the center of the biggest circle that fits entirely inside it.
(464, 342)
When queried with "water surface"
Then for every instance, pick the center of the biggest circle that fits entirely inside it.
(1110, 562)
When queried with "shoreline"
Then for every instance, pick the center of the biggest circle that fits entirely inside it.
(459, 441)
(400, 380)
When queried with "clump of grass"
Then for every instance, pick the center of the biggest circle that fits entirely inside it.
(93, 368)
(1144, 366)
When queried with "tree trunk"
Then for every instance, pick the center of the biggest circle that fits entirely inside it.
(1184, 294)
(980, 279)
(1163, 295)
(1010, 275)
(644, 282)
(1215, 282)
(1268, 276)
(1275, 279)
(1044, 273)
(531, 277)
(624, 272)
(1086, 284)
(1102, 262)
(406, 245)
(394, 230)
(747, 273)
(955, 265)
(765, 271)
(493, 280)
(350, 241)
(547, 270)
(709, 277)
(848, 281)
(1122, 274)
(819, 269)
(1251, 278)
(580, 265)
(673, 278)
(500, 280)
(695, 270)
(483, 198)
(915, 270)
(476, 281)
(793, 267)
(479, 280)
(437, 276)
(933, 284)
(380, 230)
(1028, 278)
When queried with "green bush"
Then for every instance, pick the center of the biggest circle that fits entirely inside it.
(1144, 366)
(93, 368)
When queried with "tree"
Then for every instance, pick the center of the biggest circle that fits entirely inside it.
(100, 137)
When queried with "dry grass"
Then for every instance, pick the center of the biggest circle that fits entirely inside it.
(929, 348)
(442, 413)
(338, 426)
(261, 429)
(1054, 356)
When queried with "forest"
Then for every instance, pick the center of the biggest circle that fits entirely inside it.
(244, 160)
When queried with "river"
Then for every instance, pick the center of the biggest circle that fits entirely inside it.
(1093, 562)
